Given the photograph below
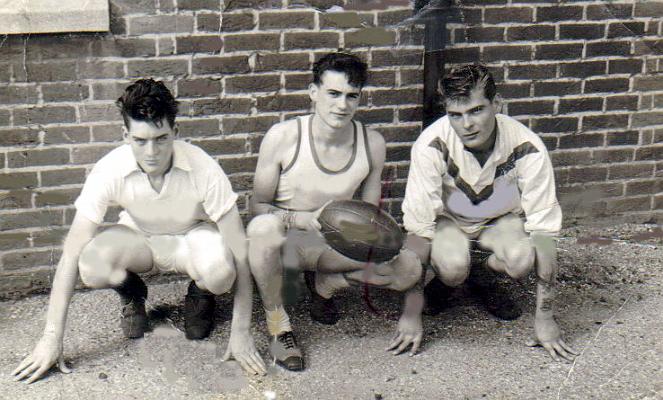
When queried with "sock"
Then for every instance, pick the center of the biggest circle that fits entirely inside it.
(327, 284)
(277, 321)
(133, 288)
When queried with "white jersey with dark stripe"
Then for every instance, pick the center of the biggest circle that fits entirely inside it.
(445, 179)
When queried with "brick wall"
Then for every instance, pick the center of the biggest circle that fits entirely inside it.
(236, 69)
(584, 75)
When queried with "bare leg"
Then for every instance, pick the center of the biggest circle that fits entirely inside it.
(512, 250)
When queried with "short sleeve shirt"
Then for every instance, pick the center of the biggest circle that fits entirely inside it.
(195, 189)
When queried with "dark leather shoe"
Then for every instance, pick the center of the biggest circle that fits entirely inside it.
(198, 312)
(323, 311)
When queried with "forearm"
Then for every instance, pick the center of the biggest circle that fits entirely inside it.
(64, 282)
(242, 304)
(413, 303)
(546, 271)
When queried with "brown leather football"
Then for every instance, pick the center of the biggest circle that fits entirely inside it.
(360, 230)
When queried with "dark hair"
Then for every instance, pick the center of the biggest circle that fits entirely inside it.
(147, 100)
(355, 69)
(458, 83)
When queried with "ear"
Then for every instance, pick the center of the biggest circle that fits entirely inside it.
(313, 91)
(497, 103)
(125, 134)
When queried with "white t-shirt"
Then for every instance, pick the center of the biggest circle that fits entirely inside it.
(195, 189)
(445, 179)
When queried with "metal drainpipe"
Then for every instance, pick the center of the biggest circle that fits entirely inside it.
(434, 14)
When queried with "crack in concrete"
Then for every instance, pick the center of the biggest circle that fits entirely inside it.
(591, 343)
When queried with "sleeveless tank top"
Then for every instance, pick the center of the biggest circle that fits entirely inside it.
(306, 185)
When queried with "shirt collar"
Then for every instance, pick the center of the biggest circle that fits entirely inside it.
(180, 161)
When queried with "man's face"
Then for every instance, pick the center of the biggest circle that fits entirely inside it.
(336, 100)
(152, 145)
(473, 118)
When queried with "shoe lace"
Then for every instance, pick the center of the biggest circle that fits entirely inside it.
(288, 340)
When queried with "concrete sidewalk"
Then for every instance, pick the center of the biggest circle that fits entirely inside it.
(610, 302)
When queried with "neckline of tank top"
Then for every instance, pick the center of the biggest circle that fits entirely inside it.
(316, 159)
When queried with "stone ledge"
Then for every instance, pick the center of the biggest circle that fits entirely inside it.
(53, 16)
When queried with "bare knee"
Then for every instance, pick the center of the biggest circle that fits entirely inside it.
(450, 256)
(217, 276)
(520, 264)
(94, 270)
(266, 230)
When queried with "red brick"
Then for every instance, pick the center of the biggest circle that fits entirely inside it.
(587, 174)
(157, 67)
(555, 124)
(626, 29)
(21, 260)
(228, 105)
(646, 83)
(99, 112)
(592, 122)
(12, 241)
(298, 81)
(307, 40)
(221, 65)
(235, 165)
(634, 188)
(582, 69)
(611, 156)
(648, 9)
(533, 71)
(414, 36)
(31, 158)
(44, 115)
(484, 34)
(18, 137)
(382, 78)
(626, 102)
(225, 146)
(54, 71)
(607, 85)
(531, 107)
(581, 140)
(369, 37)
(629, 204)
(210, 22)
(630, 171)
(608, 48)
(252, 4)
(582, 31)
(16, 199)
(625, 66)
(609, 11)
(198, 87)
(96, 69)
(18, 180)
(530, 32)
(251, 41)
(558, 51)
(248, 124)
(501, 15)
(558, 13)
(118, 47)
(282, 62)
(52, 237)
(341, 20)
(393, 17)
(286, 20)
(64, 92)
(375, 115)
(398, 153)
(199, 44)
(235, 22)
(140, 25)
(89, 154)
(29, 219)
(382, 97)
(57, 197)
(284, 102)
(570, 158)
(195, 5)
(499, 53)
(66, 134)
(198, 127)
(652, 153)
(59, 177)
(461, 54)
(556, 88)
(580, 104)
(647, 119)
(107, 133)
(513, 90)
(396, 57)
(135, 6)
(396, 134)
(643, 47)
(13, 94)
(253, 83)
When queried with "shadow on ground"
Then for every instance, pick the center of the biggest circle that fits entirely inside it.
(609, 306)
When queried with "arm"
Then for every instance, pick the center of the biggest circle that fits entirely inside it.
(49, 349)
(241, 345)
(372, 187)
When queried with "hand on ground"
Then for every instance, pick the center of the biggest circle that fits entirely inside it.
(409, 332)
(242, 349)
(47, 352)
(548, 335)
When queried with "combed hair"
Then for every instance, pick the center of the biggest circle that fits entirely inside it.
(147, 100)
(458, 83)
(355, 69)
